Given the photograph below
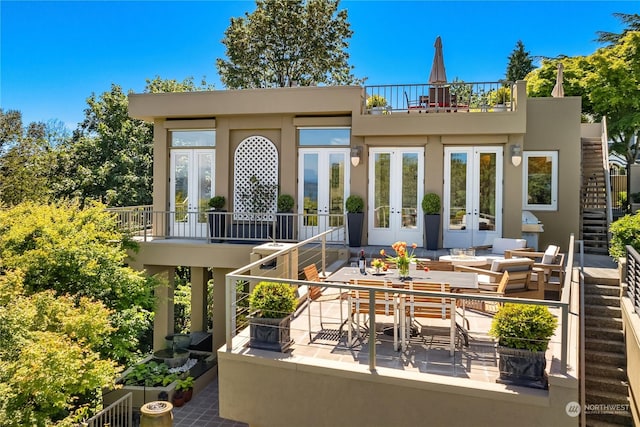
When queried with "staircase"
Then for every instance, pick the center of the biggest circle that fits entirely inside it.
(594, 198)
(605, 360)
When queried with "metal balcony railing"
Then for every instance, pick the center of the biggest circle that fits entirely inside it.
(451, 97)
(143, 223)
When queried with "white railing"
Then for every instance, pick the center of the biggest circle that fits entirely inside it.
(118, 414)
(216, 227)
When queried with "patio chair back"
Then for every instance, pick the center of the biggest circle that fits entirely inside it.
(434, 265)
(429, 307)
(384, 302)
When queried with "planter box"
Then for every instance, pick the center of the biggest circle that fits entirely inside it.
(270, 334)
(203, 373)
(522, 368)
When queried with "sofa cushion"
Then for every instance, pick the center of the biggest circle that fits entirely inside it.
(550, 254)
(512, 264)
(501, 244)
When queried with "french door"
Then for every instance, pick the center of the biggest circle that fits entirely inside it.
(395, 187)
(472, 196)
(192, 185)
(322, 189)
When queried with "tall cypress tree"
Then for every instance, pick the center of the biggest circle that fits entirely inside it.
(520, 63)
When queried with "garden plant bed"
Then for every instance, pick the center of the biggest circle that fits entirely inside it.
(204, 371)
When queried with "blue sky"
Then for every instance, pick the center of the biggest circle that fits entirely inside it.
(54, 55)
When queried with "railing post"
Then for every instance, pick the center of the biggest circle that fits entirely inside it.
(564, 338)
(372, 330)
(230, 318)
(323, 252)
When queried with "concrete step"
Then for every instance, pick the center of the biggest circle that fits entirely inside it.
(596, 383)
(603, 333)
(603, 322)
(612, 279)
(601, 311)
(606, 397)
(599, 299)
(605, 370)
(605, 357)
(609, 420)
(602, 289)
(614, 347)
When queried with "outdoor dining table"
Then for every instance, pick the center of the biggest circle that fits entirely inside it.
(458, 281)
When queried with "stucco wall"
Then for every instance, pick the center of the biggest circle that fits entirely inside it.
(264, 392)
(554, 124)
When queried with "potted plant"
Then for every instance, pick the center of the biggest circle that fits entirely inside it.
(502, 96)
(217, 218)
(376, 104)
(186, 386)
(284, 217)
(355, 218)
(431, 207)
(271, 304)
(523, 332)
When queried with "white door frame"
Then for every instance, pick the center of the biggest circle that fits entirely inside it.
(405, 224)
(191, 219)
(309, 226)
(470, 229)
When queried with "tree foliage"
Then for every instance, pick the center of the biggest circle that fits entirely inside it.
(51, 369)
(80, 252)
(520, 63)
(632, 20)
(287, 42)
(25, 160)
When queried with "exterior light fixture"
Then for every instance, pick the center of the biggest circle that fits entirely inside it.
(356, 154)
(516, 155)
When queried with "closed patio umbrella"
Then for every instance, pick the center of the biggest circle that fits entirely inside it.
(558, 89)
(438, 75)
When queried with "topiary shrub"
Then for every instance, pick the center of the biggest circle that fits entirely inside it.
(285, 203)
(376, 101)
(273, 300)
(354, 204)
(523, 326)
(625, 231)
(431, 204)
(217, 202)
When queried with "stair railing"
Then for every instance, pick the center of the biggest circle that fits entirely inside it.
(607, 177)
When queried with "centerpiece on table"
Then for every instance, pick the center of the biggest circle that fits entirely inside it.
(379, 265)
(403, 258)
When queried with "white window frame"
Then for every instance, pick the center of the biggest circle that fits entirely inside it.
(553, 206)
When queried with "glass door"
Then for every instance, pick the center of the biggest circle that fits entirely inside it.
(395, 188)
(323, 184)
(192, 185)
(472, 196)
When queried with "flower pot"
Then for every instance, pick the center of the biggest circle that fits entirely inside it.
(270, 334)
(217, 225)
(522, 367)
(188, 394)
(178, 399)
(432, 231)
(354, 223)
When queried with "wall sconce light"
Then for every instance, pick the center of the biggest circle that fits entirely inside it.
(516, 155)
(356, 154)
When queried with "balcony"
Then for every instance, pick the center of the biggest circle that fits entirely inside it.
(367, 381)
(454, 97)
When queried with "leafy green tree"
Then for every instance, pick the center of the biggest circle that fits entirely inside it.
(520, 63)
(25, 161)
(287, 42)
(159, 85)
(80, 252)
(633, 24)
(612, 86)
(540, 82)
(110, 156)
(51, 370)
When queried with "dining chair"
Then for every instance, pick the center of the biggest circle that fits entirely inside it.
(431, 307)
(434, 265)
(385, 303)
(315, 293)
